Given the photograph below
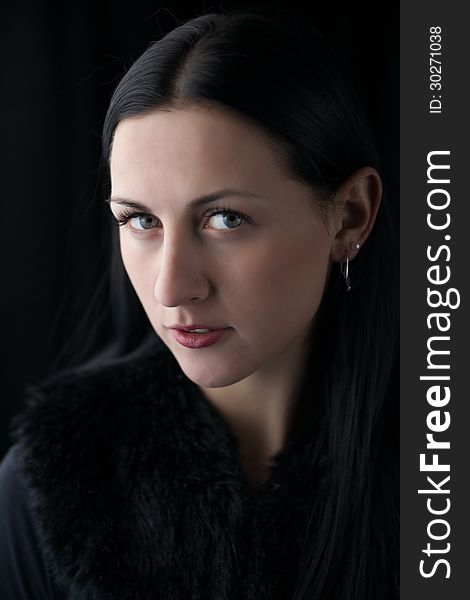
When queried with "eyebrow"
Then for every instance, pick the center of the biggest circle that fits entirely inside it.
(201, 200)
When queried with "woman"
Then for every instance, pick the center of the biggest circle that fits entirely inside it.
(256, 456)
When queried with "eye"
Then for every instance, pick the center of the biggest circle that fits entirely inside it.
(143, 219)
(225, 217)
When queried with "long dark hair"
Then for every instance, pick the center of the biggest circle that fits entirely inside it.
(280, 73)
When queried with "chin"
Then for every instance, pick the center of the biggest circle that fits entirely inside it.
(210, 375)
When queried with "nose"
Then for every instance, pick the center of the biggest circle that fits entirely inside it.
(179, 277)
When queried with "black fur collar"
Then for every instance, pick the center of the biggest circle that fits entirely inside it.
(134, 482)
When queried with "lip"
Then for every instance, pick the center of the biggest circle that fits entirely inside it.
(194, 326)
(199, 340)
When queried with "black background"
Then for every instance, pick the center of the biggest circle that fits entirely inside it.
(60, 64)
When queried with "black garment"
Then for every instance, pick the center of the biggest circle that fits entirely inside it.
(125, 483)
(22, 571)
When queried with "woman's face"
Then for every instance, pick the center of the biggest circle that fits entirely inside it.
(258, 269)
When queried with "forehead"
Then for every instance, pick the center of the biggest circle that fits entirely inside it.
(196, 143)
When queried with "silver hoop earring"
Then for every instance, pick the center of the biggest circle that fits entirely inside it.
(344, 271)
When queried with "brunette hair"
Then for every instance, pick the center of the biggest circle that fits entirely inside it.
(279, 72)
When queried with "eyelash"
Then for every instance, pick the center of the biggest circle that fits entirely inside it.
(127, 215)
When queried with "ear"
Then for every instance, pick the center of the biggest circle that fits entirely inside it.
(356, 204)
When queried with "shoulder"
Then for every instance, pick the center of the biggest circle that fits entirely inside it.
(79, 430)
(112, 457)
(79, 445)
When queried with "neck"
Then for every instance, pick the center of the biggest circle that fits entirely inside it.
(262, 408)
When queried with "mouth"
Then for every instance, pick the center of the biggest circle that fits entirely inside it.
(199, 339)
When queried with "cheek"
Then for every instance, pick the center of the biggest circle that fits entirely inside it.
(284, 283)
(137, 265)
